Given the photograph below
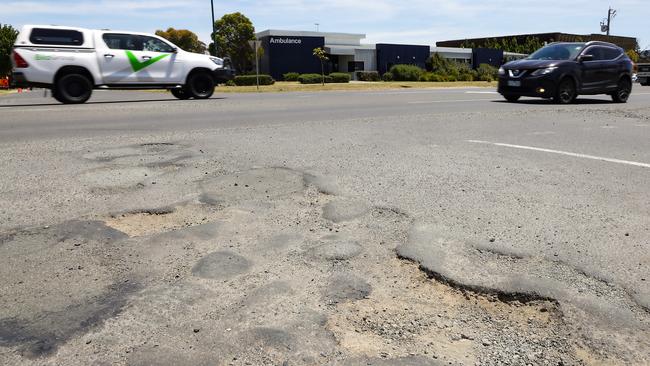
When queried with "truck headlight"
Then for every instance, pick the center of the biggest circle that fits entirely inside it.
(502, 71)
(217, 61)
(545, 71)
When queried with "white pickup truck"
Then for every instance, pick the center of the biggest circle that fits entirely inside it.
(74, 61)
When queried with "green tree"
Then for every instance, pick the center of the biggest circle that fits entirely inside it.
(232, 33)
(322, 57)
(633, 55)
(7, 39)
(184, 39)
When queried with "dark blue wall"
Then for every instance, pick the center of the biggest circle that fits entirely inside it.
(281, 57)
(487, 56)
(394, 54)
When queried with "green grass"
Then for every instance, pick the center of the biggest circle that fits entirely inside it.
(285, 86)
(4, 91)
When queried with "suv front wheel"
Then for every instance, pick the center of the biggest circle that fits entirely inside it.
(622, 93)
(566, 92)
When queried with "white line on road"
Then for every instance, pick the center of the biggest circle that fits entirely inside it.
(481, 92)
(450, 101)
(584, 156)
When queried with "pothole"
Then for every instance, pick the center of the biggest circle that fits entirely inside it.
(159, 220)
(411, 314)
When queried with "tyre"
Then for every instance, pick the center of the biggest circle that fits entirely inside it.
(72, 89)
(181, 93)
(200, 85)
(566, 92)
(512, 98)
(622, 93)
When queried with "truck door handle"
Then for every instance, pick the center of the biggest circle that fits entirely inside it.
(108, 55)
(146, 57)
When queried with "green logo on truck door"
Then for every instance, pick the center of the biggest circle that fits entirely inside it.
(137, 65)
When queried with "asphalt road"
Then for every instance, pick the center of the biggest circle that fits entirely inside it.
(272, 228)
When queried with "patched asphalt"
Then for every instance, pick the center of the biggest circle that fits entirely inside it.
(406, 227)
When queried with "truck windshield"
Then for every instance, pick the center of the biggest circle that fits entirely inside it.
(560, 51)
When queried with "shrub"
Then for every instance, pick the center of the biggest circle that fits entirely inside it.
(433, 76)
(387, 77)
(340, 77)
(231, 83)
(406, 72)
(313, 79)
(247, 80)
(291, 76)
(486, 72)
(466, 77)
(368, 76)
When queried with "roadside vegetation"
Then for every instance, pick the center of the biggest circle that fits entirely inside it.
(295, 86)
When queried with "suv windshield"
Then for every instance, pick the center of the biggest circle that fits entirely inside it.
(559, 51)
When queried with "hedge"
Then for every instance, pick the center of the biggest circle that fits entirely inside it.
(406, 72)
(313, 78)
(247, 80)
(340, 77)
(487, 72)
(368, 76)
(387, 77)
(291, 76)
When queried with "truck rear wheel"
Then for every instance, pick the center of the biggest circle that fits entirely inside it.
(72, 89)
(180, 93)
(200, 85)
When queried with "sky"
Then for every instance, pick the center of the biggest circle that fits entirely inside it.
(386, 21)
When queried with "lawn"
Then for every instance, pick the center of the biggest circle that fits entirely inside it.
(284, 86)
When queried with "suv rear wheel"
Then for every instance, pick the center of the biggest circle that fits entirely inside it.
(200, 85)
(72, 89)
(622, 93)
(512, 98)
(566, 92)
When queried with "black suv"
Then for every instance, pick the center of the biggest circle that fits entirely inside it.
(562, 71)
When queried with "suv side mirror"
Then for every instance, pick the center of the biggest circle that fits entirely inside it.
(585, 58)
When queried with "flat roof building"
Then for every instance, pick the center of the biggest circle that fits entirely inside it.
(627, 43)
(292, 51)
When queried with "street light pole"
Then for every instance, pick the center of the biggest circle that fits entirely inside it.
(214, 36)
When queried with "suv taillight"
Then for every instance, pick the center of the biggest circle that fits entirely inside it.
(19, 61)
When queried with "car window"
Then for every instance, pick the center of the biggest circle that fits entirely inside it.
(155, 45)
(59, 37)
(558, 51)
(130, 42)
(611, 53)
(595, 52)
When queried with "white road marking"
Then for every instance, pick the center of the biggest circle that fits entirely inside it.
(481, 92)
(449, 101)
(576, 155)
(540, 133)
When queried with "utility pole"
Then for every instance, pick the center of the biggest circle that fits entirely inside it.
(606, 24)
(214, 36)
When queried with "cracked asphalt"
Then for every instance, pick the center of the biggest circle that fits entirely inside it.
(406, 227)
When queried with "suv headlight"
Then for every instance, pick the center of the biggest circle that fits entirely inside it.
(502, 71)
(217, 61)
(545, 71)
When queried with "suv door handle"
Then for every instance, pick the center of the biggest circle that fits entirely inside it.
(108, 55)
(146, 57)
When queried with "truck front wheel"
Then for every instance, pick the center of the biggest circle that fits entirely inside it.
(200, 85)
(72, 89)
